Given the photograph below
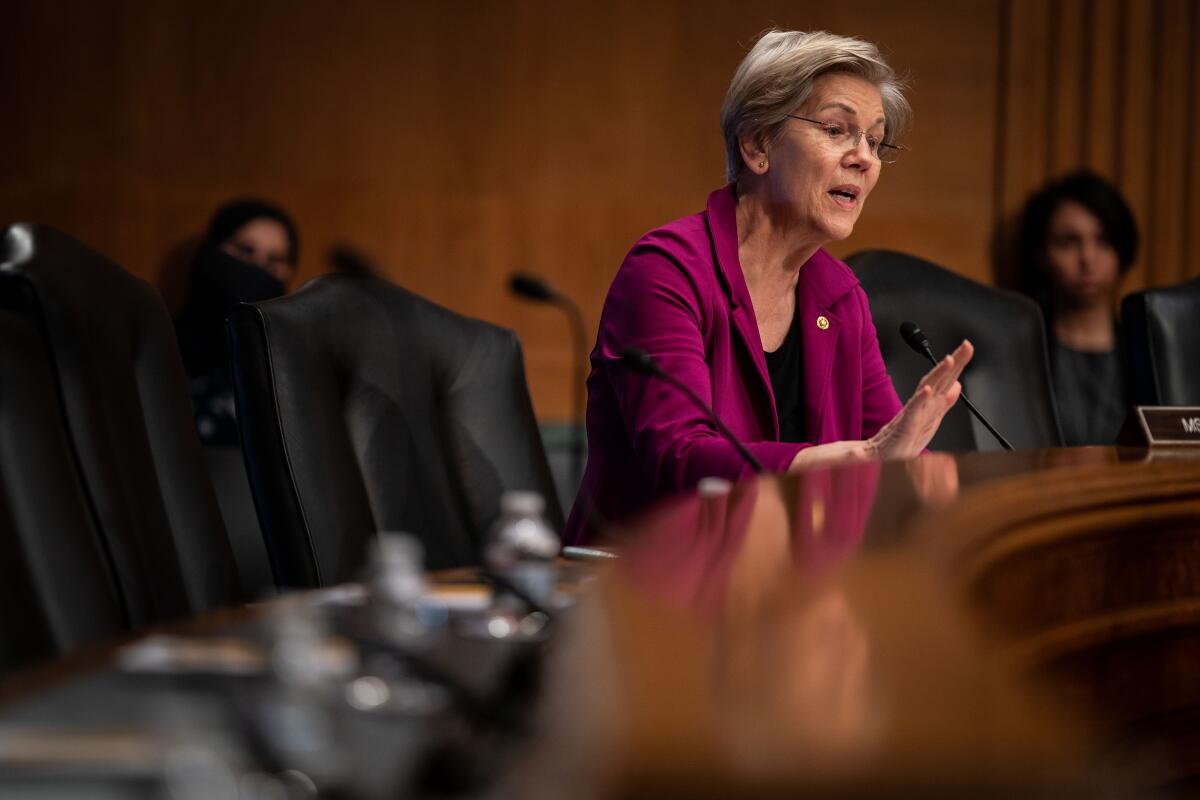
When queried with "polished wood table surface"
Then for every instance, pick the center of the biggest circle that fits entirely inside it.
(1009, 624)
(986, 624)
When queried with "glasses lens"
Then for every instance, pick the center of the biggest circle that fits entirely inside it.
(888, 153)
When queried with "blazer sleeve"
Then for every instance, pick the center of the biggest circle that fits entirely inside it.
(879, 399)
(656, 305)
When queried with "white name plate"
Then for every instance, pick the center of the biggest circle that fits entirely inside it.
(1174, 426)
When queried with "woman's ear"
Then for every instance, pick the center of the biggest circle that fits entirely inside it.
(754, 153)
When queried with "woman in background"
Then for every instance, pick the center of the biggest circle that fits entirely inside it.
(248, 254)
(1078, 238)
(741, 303)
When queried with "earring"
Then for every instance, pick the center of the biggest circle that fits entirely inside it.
(762, 164)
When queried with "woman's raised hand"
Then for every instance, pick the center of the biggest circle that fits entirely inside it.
(907, 434)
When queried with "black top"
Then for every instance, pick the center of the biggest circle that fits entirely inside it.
(1090, 390)
(787, 382)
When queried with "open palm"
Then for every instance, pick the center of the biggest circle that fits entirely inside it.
(908, 433)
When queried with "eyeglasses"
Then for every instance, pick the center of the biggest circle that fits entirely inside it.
(843, 135)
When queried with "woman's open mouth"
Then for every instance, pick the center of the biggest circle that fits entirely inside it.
(845, 196)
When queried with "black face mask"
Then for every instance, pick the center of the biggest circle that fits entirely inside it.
(220, 280)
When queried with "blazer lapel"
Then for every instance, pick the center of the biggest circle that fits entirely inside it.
(820, 331)
(824, 283)
(722, 228)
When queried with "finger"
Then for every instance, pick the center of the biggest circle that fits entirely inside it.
(918, 399)
(953, 395)
(931, 416)
(959, 359)
(962, 356)
(934, 376)
(947, 371)
(943, 378)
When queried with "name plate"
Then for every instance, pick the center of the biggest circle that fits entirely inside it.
(1175, 426)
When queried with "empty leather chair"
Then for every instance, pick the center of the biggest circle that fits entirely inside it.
(1161, 337)
(364, 408)
(56, 584)
(1009, 377)
(128, 419)
(227, 471)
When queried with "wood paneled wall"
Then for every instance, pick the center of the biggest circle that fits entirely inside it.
(456, 142)
(1114, 86)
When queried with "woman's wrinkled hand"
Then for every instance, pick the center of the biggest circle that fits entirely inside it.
(908, 433)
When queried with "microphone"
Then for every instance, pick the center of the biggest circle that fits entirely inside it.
(917, 341)
(640, 361)
(531, 287)
(535, 288)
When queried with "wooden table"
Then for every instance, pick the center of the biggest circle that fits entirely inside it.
(989, 624)
(1000, 625)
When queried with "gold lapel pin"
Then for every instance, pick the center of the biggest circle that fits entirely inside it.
(823, 322)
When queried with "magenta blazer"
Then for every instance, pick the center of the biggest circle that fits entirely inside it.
(680, 295)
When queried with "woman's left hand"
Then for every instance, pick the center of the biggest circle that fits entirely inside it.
(908, 433)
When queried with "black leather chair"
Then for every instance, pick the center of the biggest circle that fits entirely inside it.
(1009, 377)
(364, 407)
(125, 403)
(56, 584)
(1161, 336)
(227, 471)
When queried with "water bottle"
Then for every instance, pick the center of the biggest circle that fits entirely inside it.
(396, 585)
(522, 547)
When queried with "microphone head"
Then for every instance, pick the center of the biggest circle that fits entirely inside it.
(914, 337)
(532, 287)
(640, 361)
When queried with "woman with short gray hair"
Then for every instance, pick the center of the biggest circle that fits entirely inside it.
(777, 77)
(742, 305)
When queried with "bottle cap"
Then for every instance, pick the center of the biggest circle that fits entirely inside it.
(391, 551)
(522, 502)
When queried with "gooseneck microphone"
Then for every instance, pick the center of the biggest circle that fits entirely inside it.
(917, 341)
(639, 360)
(532, 287)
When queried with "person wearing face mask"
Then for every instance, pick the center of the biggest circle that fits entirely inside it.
(249, 253)
(1078, 239)
(742, 304)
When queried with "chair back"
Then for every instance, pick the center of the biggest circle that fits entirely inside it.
(363, 408)
(1009, 377)
(56, 583)
(124, 399)
(1161, 337)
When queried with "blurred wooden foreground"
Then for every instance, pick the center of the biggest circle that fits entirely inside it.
(1000, 625)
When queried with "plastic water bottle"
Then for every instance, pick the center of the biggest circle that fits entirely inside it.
(396, 584)
(522, 546)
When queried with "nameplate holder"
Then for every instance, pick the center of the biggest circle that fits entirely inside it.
(1162, 426)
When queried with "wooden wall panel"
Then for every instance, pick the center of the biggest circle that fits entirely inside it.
(1066, 107)
(1169, 126)
(1102, 69)
(1116, 80)
(458, 141)
(1022, 155)
(1191, 208)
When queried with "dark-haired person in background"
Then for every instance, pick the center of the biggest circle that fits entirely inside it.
(249, 253)
(1078, 238)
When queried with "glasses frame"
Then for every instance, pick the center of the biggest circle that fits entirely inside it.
(886, 153)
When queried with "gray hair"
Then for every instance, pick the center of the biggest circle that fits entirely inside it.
(778, 74)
